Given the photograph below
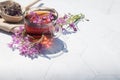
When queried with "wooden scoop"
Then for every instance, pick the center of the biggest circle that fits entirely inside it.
(15, 19)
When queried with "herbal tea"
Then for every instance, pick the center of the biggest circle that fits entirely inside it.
(38, 23)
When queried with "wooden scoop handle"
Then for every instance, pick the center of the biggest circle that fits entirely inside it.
(31, 4)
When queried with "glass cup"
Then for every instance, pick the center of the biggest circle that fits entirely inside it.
(41, 21)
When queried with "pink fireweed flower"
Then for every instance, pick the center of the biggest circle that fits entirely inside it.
(73, 26)
(51, 17)
(61, 21)
(65, 16)
(35, 18)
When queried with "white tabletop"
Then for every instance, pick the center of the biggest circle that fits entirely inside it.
(93, 52)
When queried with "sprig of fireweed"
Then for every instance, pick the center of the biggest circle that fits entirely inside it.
(69, 22)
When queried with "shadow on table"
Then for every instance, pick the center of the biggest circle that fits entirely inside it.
(5, 32)
(57, 49)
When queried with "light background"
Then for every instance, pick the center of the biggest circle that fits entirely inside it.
(93, 52)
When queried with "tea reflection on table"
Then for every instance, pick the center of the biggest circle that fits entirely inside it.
(57, 49)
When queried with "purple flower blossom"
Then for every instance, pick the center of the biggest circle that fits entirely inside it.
(65, 16)
(10, 45)
(51, 17)
(61, 21)
(68, 22)
(23, 44)
(16, 40)
(72, 25)
(36, 18)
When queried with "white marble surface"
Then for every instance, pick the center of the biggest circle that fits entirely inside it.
(93, 52)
